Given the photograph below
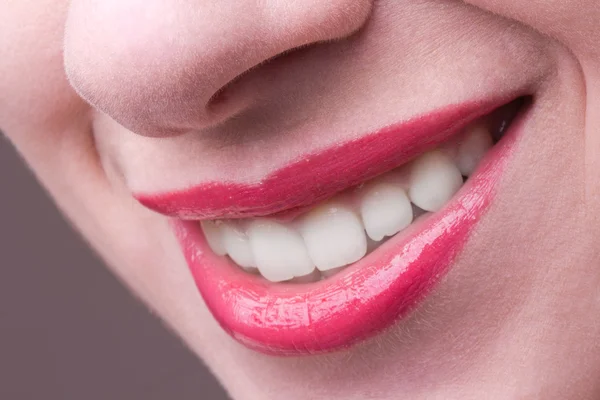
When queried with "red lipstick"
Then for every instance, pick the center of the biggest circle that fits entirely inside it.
(364, 299)
(318, 176)
(292, 319)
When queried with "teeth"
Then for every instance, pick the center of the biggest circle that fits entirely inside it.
(325, 240)
(476, 142)
(385, 210)
(334, 236)
(434, 179)
(279, 251)
(214, 237)
(237, 245)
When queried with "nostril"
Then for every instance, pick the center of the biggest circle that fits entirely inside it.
(221, 102)
(220, 97)
(177, 66)
(226, 100)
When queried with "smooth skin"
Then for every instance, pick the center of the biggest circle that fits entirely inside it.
(104, 98)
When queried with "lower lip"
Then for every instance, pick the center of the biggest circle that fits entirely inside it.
(364, 299)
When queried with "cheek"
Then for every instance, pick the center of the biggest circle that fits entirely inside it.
(36, 100)
(573, 23)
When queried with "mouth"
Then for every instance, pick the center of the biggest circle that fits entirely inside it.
(340, 244)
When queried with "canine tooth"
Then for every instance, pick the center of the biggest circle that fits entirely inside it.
(476, 142)
(385, 210)
(237, 245)
(214, 237)
(334, 236)
(279, 251)
(434, 179)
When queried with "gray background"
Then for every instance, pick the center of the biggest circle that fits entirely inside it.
(68, 329)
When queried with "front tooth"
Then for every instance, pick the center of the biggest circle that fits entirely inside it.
(434, 179)
(476, 142)
(385, 210)
(237, 245)
(279, 251)
(214, 237)
(334, 236)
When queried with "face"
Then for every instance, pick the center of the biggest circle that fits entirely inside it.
(344, 199)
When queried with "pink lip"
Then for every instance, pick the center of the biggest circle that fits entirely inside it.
(369, 296)
(315, 177)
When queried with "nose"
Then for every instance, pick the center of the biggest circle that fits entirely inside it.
(155, 65)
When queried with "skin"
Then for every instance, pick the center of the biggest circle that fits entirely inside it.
(516, 315)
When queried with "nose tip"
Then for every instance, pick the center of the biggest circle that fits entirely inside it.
(154, 65)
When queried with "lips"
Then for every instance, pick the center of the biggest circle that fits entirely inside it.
(317, 176)
(371, 294)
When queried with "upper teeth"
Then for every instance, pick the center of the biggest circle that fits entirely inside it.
(476, 142)
(332, 234)
(214, 237)
(237, 245)
(433, 180)
(280, 250)
(385, 210)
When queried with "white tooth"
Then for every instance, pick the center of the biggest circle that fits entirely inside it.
(385, 210)
(279, 251)
(237, 245)
(214, 237)
(434, 179)
(476, 142)
(334, 236)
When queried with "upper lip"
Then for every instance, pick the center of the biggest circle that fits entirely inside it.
(317, 176)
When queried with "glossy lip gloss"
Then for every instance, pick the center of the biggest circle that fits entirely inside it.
(317, 176)
(367, 297)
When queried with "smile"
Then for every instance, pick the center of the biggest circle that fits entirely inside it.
(340, 244)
